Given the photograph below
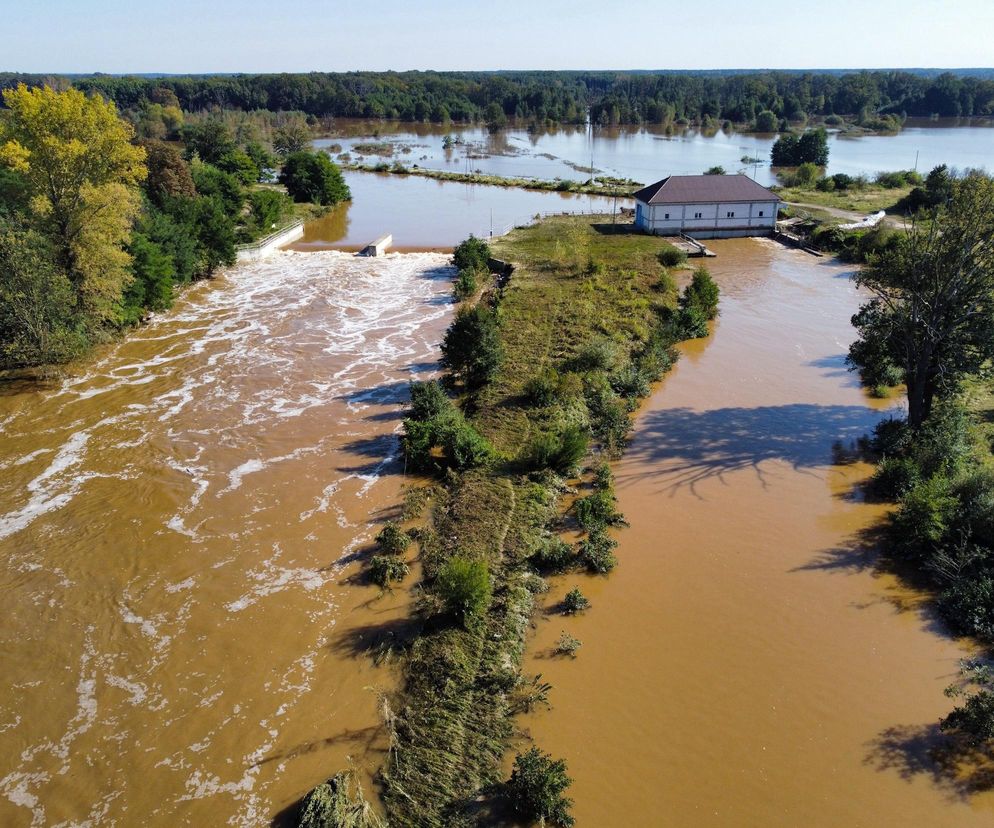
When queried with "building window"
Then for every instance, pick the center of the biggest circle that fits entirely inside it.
(729, 215)
(698, 215)
(760, 213)
(666, 215)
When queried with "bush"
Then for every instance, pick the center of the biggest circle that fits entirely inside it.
(598, 510)
(464, 587)
(925, 514)
(574, 602)
(428, 401)
(464, 447)
(536, 788)
(392, 539)
(671, 256)
(599, 355)
(975, 719)
(609, 416)
(471, 347)
(560, 452)
(766, 121)
(894, 477)
(543, 390)
(386, 568)
(716, 170)
(471, 254)
(567, 645)
(968, 606)
(465, 285)
(701, 293)
(597, 552)
(693, 323)
(554, 555)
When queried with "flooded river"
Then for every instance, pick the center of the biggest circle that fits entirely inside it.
(178, 529)
(745, 665)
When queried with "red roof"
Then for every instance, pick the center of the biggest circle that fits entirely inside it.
(704, 189)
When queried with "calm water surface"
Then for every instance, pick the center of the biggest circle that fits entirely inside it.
(745, 665)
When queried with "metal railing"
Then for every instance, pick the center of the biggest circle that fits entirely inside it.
(260, 243)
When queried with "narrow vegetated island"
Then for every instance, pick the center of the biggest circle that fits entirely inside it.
(544, 370)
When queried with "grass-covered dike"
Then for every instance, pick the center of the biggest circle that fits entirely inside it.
(547, 359)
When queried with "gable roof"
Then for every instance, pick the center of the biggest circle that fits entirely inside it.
(704, 189)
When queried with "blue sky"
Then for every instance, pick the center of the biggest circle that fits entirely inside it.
(331, 35)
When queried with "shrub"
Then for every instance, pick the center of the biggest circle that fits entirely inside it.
(392, 539)
(560, 452)
(574, 602)
(894, 477)
(567, 645)
(542, 389)
(554, 555)
(835, 120)
(631, 382)
(464, 447)
(471, 254)
(428, 400)
(671, 256)
(766, 121)
(599, 355)
(471, 347)
(464, 587)
(597, 552)
(536, 788)
(465, 285)
(716, 170)
(609, 417)
(692, 322)
(701, 293)
(598, 510)
(826, 185)
(923, 517)
(974, 720)
(968, 606)
(386, 568)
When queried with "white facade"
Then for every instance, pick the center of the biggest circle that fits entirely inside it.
(712, 220)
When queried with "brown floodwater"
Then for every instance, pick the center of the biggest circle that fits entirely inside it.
(180, 522)
(745, 664)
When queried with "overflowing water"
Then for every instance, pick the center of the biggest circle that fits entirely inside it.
(179, 524)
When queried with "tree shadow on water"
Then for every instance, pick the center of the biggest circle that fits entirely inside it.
(958, 769)
(680, 447)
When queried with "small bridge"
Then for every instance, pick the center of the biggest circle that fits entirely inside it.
(692, 247)
(378, 247)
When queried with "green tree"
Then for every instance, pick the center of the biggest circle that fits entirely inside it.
(312, 176)
(292, 137)
(152, 285)
(766, 121)
(168, 174)
(716, 170)
(269, 209)
(209, 140)
(471, 348)
(932, 314)
(82, 173)
(536, 789)
(37, 303)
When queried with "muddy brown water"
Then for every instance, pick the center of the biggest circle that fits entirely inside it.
(179, 523)
(745, 665)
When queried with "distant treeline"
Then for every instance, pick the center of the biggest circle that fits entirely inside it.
(563, 97)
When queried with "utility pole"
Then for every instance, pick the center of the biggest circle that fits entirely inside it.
(916, 160)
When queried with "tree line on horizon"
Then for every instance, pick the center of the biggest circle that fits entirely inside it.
(554, 96)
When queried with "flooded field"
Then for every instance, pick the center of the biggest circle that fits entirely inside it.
(649, 153)
(179, 524)
(746, 664)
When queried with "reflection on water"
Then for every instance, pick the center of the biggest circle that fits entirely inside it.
(422, 213)
(179, 531)
(745, 664)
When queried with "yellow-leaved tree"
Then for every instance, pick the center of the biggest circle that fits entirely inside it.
(82, 174)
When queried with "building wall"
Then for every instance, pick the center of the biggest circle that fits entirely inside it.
(673, 219)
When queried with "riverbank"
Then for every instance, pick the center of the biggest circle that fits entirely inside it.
(747, 664)
(584, 312)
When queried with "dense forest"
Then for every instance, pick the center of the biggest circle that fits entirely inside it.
(100, 222)
(563, 97)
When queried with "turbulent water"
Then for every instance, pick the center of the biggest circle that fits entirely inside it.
(746, 665)
(178, 527)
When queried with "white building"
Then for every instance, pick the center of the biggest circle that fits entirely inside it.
(706, 207)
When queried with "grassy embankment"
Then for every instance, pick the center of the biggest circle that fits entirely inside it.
(869, 199)
(599, 186)
(592, 313)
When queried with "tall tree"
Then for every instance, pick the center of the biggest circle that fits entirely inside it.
(933, 311)
(82, 174)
